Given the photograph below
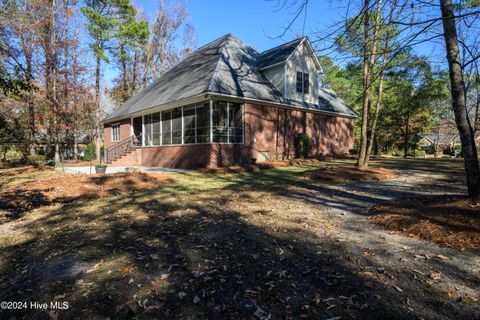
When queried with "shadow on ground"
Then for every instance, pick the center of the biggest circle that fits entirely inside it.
(193, 251)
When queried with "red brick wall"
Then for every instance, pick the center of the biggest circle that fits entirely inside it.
(124, 132)
(178, 156)
(269, 133)
(275, 129)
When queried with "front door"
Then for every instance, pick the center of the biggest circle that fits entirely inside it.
(137, 129)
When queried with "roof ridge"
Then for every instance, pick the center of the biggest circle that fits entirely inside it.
(209, 43)
(283, 44)
(215, 71)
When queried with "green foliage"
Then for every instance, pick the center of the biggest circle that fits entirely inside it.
(302, 144)
(15, 83)
(100, 25)
(398, 153)
(89, 152)
(100, 165)
(36, 159)
(430, 149)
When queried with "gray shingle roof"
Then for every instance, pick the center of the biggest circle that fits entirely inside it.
(329, 101)
(225, 66)
(277, 54)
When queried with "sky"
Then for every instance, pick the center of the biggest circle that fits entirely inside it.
(258, 23)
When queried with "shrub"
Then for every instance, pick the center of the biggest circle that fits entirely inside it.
(430, 149)
(398, 153)
(36, 159)
(100, 165)
(302, 143)
(89, 152)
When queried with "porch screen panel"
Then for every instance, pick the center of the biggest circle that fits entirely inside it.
(189, 124)
(156, 129)
(220, 121)
(167, 127)
(203, 122)
(177, 126)
(235, 123)
(148, 129)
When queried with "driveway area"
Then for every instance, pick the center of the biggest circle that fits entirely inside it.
(261, 245)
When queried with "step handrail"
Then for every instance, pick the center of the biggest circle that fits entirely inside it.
(121, 147)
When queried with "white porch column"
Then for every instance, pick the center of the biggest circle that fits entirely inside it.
(131, 127)
(143, 131)
(211, 121)
(182, 126)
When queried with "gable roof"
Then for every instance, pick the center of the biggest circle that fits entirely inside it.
(225, 66)
(278, 54)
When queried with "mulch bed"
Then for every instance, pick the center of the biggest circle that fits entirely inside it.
(259, 166)
(448, 221)
(350, 174)
(63, 188)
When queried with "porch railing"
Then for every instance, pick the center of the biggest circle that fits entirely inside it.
(121, 148)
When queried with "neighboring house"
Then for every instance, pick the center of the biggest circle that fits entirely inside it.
(226, 103)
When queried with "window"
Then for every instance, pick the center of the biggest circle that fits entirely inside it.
(203, 122)
(189, 119)
(147, 124)
(235, 123)
(299, 82)
(306, 83)
(220, 121)
(177, 126)
(166, 127)
(303, 82)
(191, 124)
(156, 129)
(115, 132)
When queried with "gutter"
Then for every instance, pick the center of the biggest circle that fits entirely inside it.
(213, 95)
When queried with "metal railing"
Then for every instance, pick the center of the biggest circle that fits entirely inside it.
(121, 148)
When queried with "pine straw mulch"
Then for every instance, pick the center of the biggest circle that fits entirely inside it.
(264, 165)
(448, 221)
(63, 188)
(349, 174)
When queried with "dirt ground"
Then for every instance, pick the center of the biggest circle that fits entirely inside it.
(267, 244)
(447, 221)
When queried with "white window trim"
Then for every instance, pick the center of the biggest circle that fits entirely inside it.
(303, 81)
(116, 125)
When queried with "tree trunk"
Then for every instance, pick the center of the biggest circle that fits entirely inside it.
(75, 147)
(406, 136)
(366, 90)
(464, 126)
(378, 105)
(134, 75)
(368, 63)
(97, 110)
(123, 59)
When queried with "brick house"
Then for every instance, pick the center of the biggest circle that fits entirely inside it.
(226, 103)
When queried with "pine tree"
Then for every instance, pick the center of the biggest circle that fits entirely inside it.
(100, 27)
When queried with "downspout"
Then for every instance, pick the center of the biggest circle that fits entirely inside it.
(276, 140)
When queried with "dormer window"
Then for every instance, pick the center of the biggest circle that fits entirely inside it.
(303, 82)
